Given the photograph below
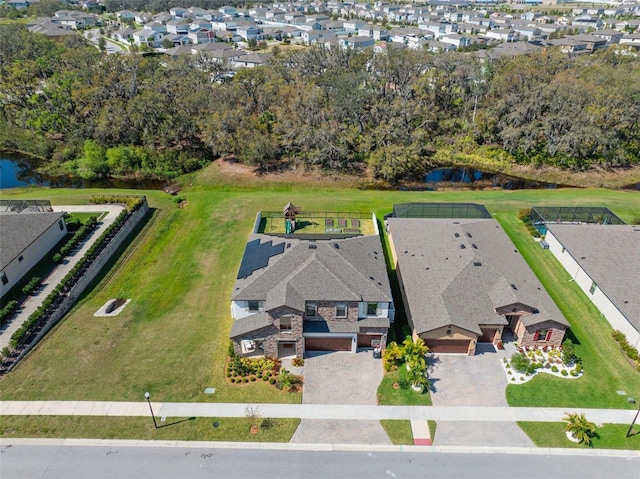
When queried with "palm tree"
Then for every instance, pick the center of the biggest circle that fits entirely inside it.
(580, 428)
(415, 348)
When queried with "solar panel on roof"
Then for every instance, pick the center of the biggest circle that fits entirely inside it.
(256, 256)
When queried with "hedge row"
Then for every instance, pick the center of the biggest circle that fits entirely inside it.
(7, 309)
(31, 285)
(525, 217)
(630, 351)
(65, 285)
(132, 202)
(78, 236)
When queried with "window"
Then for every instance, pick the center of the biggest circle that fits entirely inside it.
(61, 224)
(593, 288)
(4, 278)
(542, 335)
(341, 310)
(372, 309)
(285, 322)
(311, 310)
(254, 305)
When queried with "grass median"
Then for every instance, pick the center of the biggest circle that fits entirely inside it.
(172, 428)
(609, 436)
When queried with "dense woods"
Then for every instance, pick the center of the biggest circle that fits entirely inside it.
(386, 115)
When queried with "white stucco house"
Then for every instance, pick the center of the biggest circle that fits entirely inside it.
(26, 237)
(604, 260)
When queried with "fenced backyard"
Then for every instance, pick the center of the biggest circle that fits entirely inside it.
(318, 222)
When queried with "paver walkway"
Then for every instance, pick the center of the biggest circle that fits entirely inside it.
(421, 433)
(50, 282)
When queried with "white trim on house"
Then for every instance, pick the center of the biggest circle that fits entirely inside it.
(597, 296)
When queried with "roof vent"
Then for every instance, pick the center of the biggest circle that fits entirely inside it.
(313, 246)
(462, 246)
(405, 251)
(474, 246)
(457, 235)
(371, 278)
(513, 286)
(336, 245)
(456, 222)
(469, 235)
(288, 245)
(582, 257)
(535, 311)
(477, 263)
(427, 268)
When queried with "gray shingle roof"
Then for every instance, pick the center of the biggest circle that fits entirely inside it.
(19, 230)
(350, 269)
(249, 323)
(610, 255)
(461, 280)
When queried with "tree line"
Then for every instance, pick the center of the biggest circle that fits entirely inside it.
(389, 115)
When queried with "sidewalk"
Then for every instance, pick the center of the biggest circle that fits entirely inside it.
(50, 282)
(311, 411)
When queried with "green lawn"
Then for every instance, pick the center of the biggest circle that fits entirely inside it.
(404, 396)
(172, 338)
(179, 429)
(606, 369)
(610, 436)
(399, 431)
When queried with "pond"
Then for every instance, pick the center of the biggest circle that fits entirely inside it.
(474, 178)
(20, 170)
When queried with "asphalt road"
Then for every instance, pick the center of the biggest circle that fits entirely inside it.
(96, 462)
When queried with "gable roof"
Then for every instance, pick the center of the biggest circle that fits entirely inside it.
(19, 230)
(296, 271)
(459, 271)
(610, 255)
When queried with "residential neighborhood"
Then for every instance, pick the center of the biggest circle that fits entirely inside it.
(319, 238)
(437, 25)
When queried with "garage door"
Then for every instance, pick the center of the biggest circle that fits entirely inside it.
(487, 335)
(448, 345)
(364, 340)
(327, 344)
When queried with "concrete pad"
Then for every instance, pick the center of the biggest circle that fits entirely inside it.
(329, 431)
(421, 433)
(478, 434)
(341, 378)
(459, 380)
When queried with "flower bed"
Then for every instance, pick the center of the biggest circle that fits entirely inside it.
(539, 360)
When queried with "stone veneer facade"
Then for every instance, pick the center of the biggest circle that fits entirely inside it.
(525, 335)
(272, 335)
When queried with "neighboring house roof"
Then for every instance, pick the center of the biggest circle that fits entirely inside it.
(332, 326)
(461, 280)
(291, 271)
(19, 230)
(610, 255)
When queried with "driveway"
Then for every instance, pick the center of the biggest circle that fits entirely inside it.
(460, 380)
(341, 378)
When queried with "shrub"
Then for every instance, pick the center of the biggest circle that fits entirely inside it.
(564, 372)
(272, 380)
(31, 286)
(298, 362)
(522, 364)
(578, 368)
(569, 355)
(7, 309)
(573, 373)
(57, 258)
(554, 368)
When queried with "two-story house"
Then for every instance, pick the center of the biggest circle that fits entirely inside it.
(294, 295)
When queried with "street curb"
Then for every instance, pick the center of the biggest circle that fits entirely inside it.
(7, 442)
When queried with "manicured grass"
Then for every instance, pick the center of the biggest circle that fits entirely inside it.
(433, 425)
(179, 429)
(404, 396)
(399, 431)
(172, 338)
(606, 369)
(610, 436)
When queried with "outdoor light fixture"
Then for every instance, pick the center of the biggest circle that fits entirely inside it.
(147, 396)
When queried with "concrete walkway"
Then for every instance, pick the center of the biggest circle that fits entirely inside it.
(312, 411)
(50, 282)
